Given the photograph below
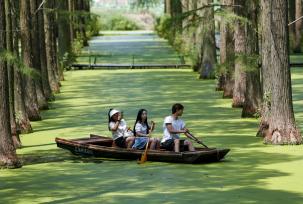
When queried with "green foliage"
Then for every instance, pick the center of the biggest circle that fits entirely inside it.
(122, 23)
(250, 63)
(163, 26)
(93, 26)
(14, 60)
(117, 22)
(230, 17)
(70, 57)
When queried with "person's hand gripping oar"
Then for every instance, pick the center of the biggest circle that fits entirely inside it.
(192, 137)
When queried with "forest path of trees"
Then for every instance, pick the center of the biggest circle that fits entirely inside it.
(251, 173)
(128, 47)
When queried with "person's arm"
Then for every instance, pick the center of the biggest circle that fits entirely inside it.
(116, 125)
(187, 134)
(173, 131)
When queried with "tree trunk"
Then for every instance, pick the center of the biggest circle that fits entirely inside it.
(176, 12)
(50, 48)
(227, 55)
(81, 18)
(240, 51)
(64, 41)
(279, 126)
(253, 94)
(207, 59)
(191, 42)
(185, 22)
(10, 67)
(71, 9)
(298, 27)
(168, 6)
(22, 119)
(31, 101)
(42, 102)
(64, 34)
(8, 156)
(291, 18)
(44, 74)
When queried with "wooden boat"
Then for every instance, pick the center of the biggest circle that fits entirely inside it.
(100, 146)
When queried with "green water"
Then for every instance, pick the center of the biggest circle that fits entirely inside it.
(130, 47)
(251, 173)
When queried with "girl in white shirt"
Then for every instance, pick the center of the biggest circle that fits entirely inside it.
(121, 134)
(142, 131)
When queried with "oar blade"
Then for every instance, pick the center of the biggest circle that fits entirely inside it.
(144, 155)
(143, 158)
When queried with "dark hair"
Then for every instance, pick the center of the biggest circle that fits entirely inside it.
(176, 107)
(139, 118)
(109, 118)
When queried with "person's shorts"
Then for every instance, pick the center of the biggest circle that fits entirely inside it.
(170, 145)
(121, 142)
(140, 143)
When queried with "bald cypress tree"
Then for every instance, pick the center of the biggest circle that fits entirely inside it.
(207, 55)
(22, 119)
(253, 95)
(278, 120)
(298, 26)
(31, 101)
(9, 46)
(227, 54)
(42, 102)
(50, 46)
(8, 157)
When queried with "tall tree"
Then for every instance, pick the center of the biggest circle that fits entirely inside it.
(81, 16)
(50, 46)
(8, 157)
(278, 122)
(31, 101)
(291, 17)
(44, 74)
(176, 14)
(253, 95)
(10, 67)
(64, 34)
(298, 27)
(42, 102)
(240, 51)
(227, 54)
(19, 93)
(207, 58)
(71, 9)
(167, 6)
(185, 21)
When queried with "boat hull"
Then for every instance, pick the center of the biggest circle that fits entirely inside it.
(100, 146)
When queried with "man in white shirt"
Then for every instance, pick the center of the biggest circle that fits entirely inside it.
(172, 127)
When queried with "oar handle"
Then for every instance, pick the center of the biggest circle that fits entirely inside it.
(196, 139)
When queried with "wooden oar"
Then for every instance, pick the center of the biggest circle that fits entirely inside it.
(144, 155)
(196, 139)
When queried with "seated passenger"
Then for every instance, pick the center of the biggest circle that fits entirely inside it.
(122, 136)
(142, 131)
(172, 127)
